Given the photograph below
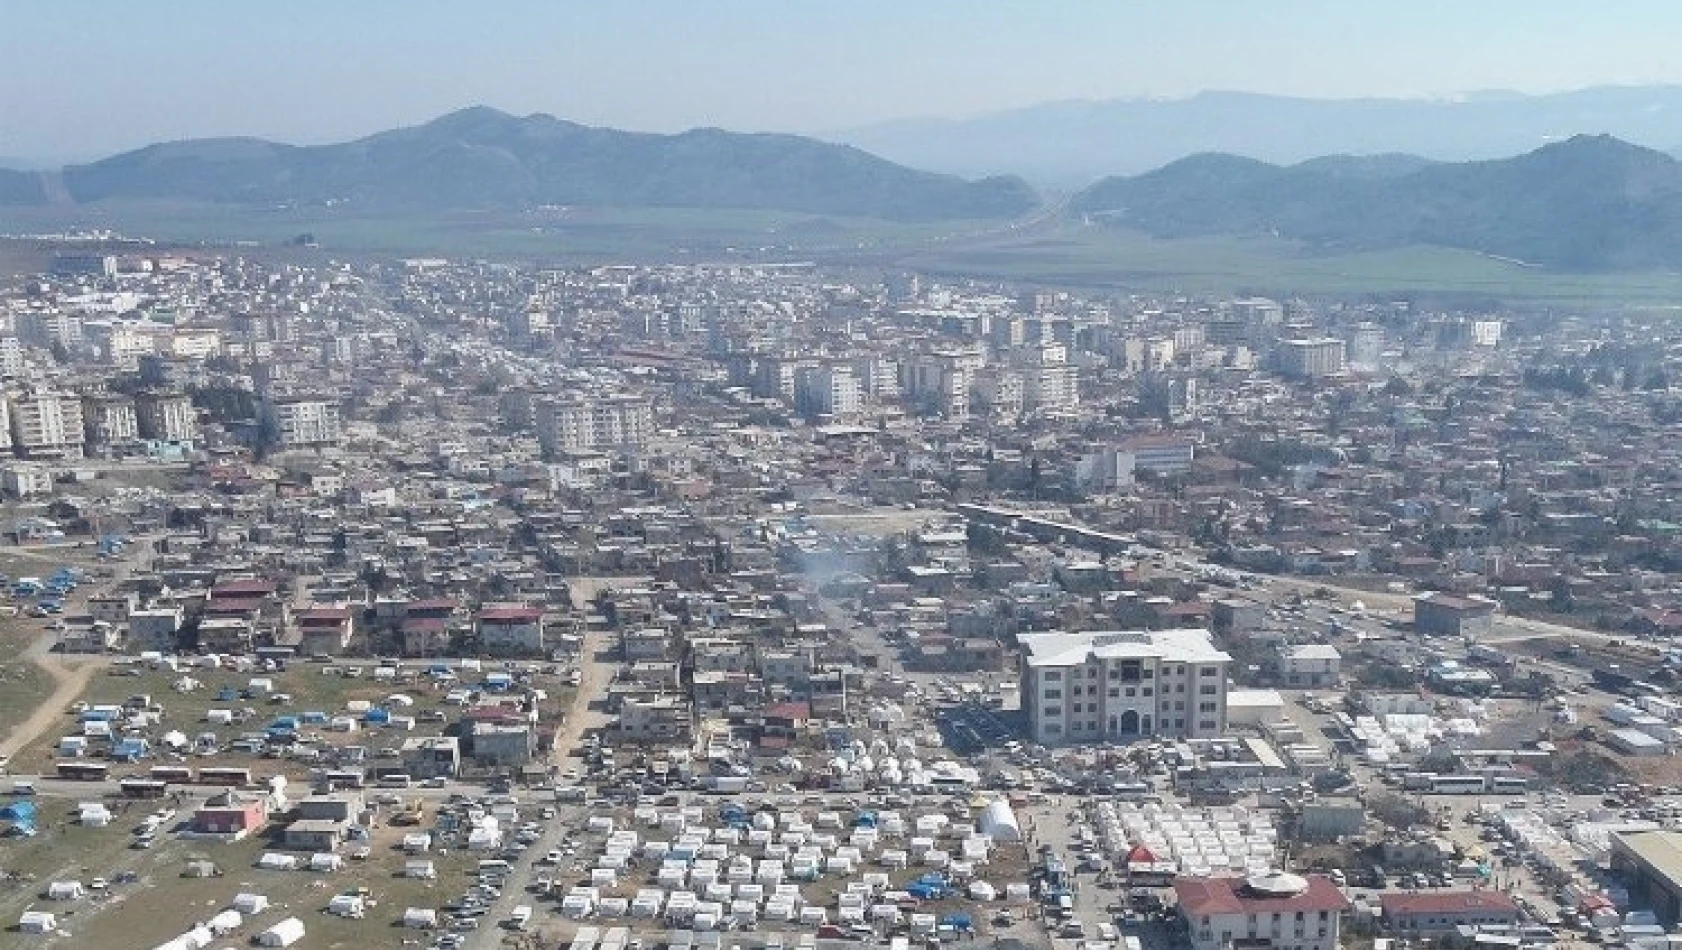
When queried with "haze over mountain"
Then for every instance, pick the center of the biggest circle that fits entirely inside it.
(1073, 143)
(1589, 203)
(480, 158)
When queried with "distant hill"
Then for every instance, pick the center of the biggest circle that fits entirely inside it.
(20, 188)
(480, 158)
(1589, 203)
(1072, 144)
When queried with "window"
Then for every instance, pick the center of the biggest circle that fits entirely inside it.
(1092, 673)
(1130, 692)
(1206, 724)
(1179, 687)
(1207, 707)
(1052, 729)
(1130, 670)
(1179, 705)
(1054, 710)
(1146, 691)
(1075, 691)
(1208, 689)
(1209, 671)
(1052, 676)
(1114, 693)
(1179, 723)
(1053, 694)
(1149, 673)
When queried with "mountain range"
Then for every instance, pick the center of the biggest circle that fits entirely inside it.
(480, 158)
(1069, 144)
(1590, 203)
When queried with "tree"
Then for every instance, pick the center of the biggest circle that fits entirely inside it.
(1397, 812)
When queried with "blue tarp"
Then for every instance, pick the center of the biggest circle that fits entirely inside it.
(377, 714)
(957, 921)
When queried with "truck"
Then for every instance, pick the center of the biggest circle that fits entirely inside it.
(727, 784)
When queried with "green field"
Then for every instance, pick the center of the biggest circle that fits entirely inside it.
(1095, 256)
(565, 235)
(1048, 250)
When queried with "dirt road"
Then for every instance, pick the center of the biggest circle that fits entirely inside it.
(69, 682)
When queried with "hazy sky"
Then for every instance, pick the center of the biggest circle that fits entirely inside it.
(86, 77)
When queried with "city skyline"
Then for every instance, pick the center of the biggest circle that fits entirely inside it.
(83, 79)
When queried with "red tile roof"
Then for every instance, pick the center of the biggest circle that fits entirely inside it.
(1446, 902)
(511, 615)
(1199, 896)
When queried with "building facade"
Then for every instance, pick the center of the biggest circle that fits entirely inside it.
(1274, 911)
(1114, 686)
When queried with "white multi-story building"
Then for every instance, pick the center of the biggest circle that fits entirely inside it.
(302, 421)
(1312, 359)
(47, 424)
(829, 391)
(11, 357)
(575, 425)
(167, 417)
(1163, 454)
(1112, 686)
(110, 419)
(1051, 387)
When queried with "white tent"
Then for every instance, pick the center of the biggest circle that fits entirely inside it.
(425, 870)
(226, 921)
(270, 861)
(37, 922)
(325, 861)
(249, 904)
(284, 934)
(420, 918)
(998, 822)
(347, 905)
(64, 890)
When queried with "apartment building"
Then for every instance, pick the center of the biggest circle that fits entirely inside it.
(1312, 358)
(47, 424)
(299, 422)
(580, 424)
(1113, 686)
(166, 417)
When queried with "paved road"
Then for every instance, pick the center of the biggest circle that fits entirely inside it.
(597, 671)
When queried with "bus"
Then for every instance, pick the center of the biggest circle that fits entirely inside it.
(84, 771)
(1458, 785)
(1509, 784)
(178, 774)
(224, 776)
(143, 788)
(345, 778)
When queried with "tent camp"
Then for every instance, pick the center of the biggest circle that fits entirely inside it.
(284, 934)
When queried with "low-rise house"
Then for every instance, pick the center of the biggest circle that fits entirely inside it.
(231, 813)
(1310, 665)
(1431, 914)
(510, 629)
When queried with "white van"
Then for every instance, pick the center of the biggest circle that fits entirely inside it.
(520, 917)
